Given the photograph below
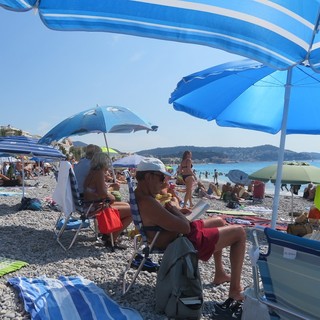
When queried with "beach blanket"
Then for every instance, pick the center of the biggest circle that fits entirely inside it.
(10, 265)
(68, 298)
(250, 221)
(233, 212)
(258, 209)
(10, 194)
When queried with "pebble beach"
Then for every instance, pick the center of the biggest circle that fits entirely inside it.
(29, 236)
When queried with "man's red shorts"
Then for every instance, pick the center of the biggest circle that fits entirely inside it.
(203, 239)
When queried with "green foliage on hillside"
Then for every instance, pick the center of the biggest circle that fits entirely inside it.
(228, 154)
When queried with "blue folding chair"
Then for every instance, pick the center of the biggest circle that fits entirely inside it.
(141, 245)
(83, 212)
(290, 275)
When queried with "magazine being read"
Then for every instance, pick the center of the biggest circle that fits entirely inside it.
(198, 210)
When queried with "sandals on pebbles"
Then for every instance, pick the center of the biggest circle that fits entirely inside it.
(230, 309)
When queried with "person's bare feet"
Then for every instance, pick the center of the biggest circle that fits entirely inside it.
(237, 295)
(219, 279)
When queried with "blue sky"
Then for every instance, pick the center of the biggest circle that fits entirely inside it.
(47, 76)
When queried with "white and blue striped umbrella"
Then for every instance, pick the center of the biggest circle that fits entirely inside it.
(21, 145)
(278, 33)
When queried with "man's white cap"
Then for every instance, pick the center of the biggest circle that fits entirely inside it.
(152, 164)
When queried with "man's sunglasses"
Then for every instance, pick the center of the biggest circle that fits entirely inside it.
(160, 175)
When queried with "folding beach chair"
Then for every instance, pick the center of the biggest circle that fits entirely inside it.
(75, 213)
(289, 273)
(140, 243)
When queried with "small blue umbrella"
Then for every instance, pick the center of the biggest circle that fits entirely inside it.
(247, 94)
(104, 119)
(101, 119)
(238, 177)
(128, 162)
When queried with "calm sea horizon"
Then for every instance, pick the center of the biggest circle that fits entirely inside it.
(247, 167)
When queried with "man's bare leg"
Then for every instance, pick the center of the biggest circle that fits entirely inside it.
(220, 275)
(235, 237)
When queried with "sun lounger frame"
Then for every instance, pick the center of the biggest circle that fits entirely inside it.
(287, 277)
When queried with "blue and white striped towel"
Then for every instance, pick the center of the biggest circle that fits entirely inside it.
(68, 298)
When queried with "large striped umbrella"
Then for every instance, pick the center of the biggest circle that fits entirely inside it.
(277, 33)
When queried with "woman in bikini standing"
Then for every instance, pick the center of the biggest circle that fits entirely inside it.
(188, 177)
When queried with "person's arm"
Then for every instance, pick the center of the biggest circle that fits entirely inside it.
(102, 190)
(168, 218)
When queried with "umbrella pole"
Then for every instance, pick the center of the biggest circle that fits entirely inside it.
(106, 142)
(281, 149)
(291, 205)
(22, 176)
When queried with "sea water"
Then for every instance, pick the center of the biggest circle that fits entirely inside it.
(247, 167)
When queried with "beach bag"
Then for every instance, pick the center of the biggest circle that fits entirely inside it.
(233, 204)
(179, 289)
(109, 220)
(299, 229)
(30, 204)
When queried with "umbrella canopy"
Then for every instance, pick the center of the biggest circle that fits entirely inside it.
(247, 94)
(128, 162)
(110, 151)
(22, 145)
(238, 177)
(107, 119)
(278, 33)
(292, 173)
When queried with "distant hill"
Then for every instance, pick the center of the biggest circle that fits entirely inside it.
(227, 154)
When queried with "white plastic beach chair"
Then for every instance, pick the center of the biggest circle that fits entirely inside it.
(290, 275)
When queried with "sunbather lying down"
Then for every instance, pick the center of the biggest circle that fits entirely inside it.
(201, 191)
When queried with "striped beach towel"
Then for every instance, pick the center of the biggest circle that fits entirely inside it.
(68, 298)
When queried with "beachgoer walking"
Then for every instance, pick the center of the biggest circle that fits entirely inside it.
(215, 177)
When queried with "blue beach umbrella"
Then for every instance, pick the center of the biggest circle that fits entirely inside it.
(277, 33)
(107, 119)
(128, 162)
(104, 119)
(247, 94)
(21, 145)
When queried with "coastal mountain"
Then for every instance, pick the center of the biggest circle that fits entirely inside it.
(228, 154)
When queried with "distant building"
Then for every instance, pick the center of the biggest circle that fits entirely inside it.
(8, 130)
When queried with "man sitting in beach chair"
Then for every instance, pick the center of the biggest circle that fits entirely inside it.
(207, 238)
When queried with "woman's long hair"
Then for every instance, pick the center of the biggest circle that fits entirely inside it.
(99, 161)
(185, 154)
